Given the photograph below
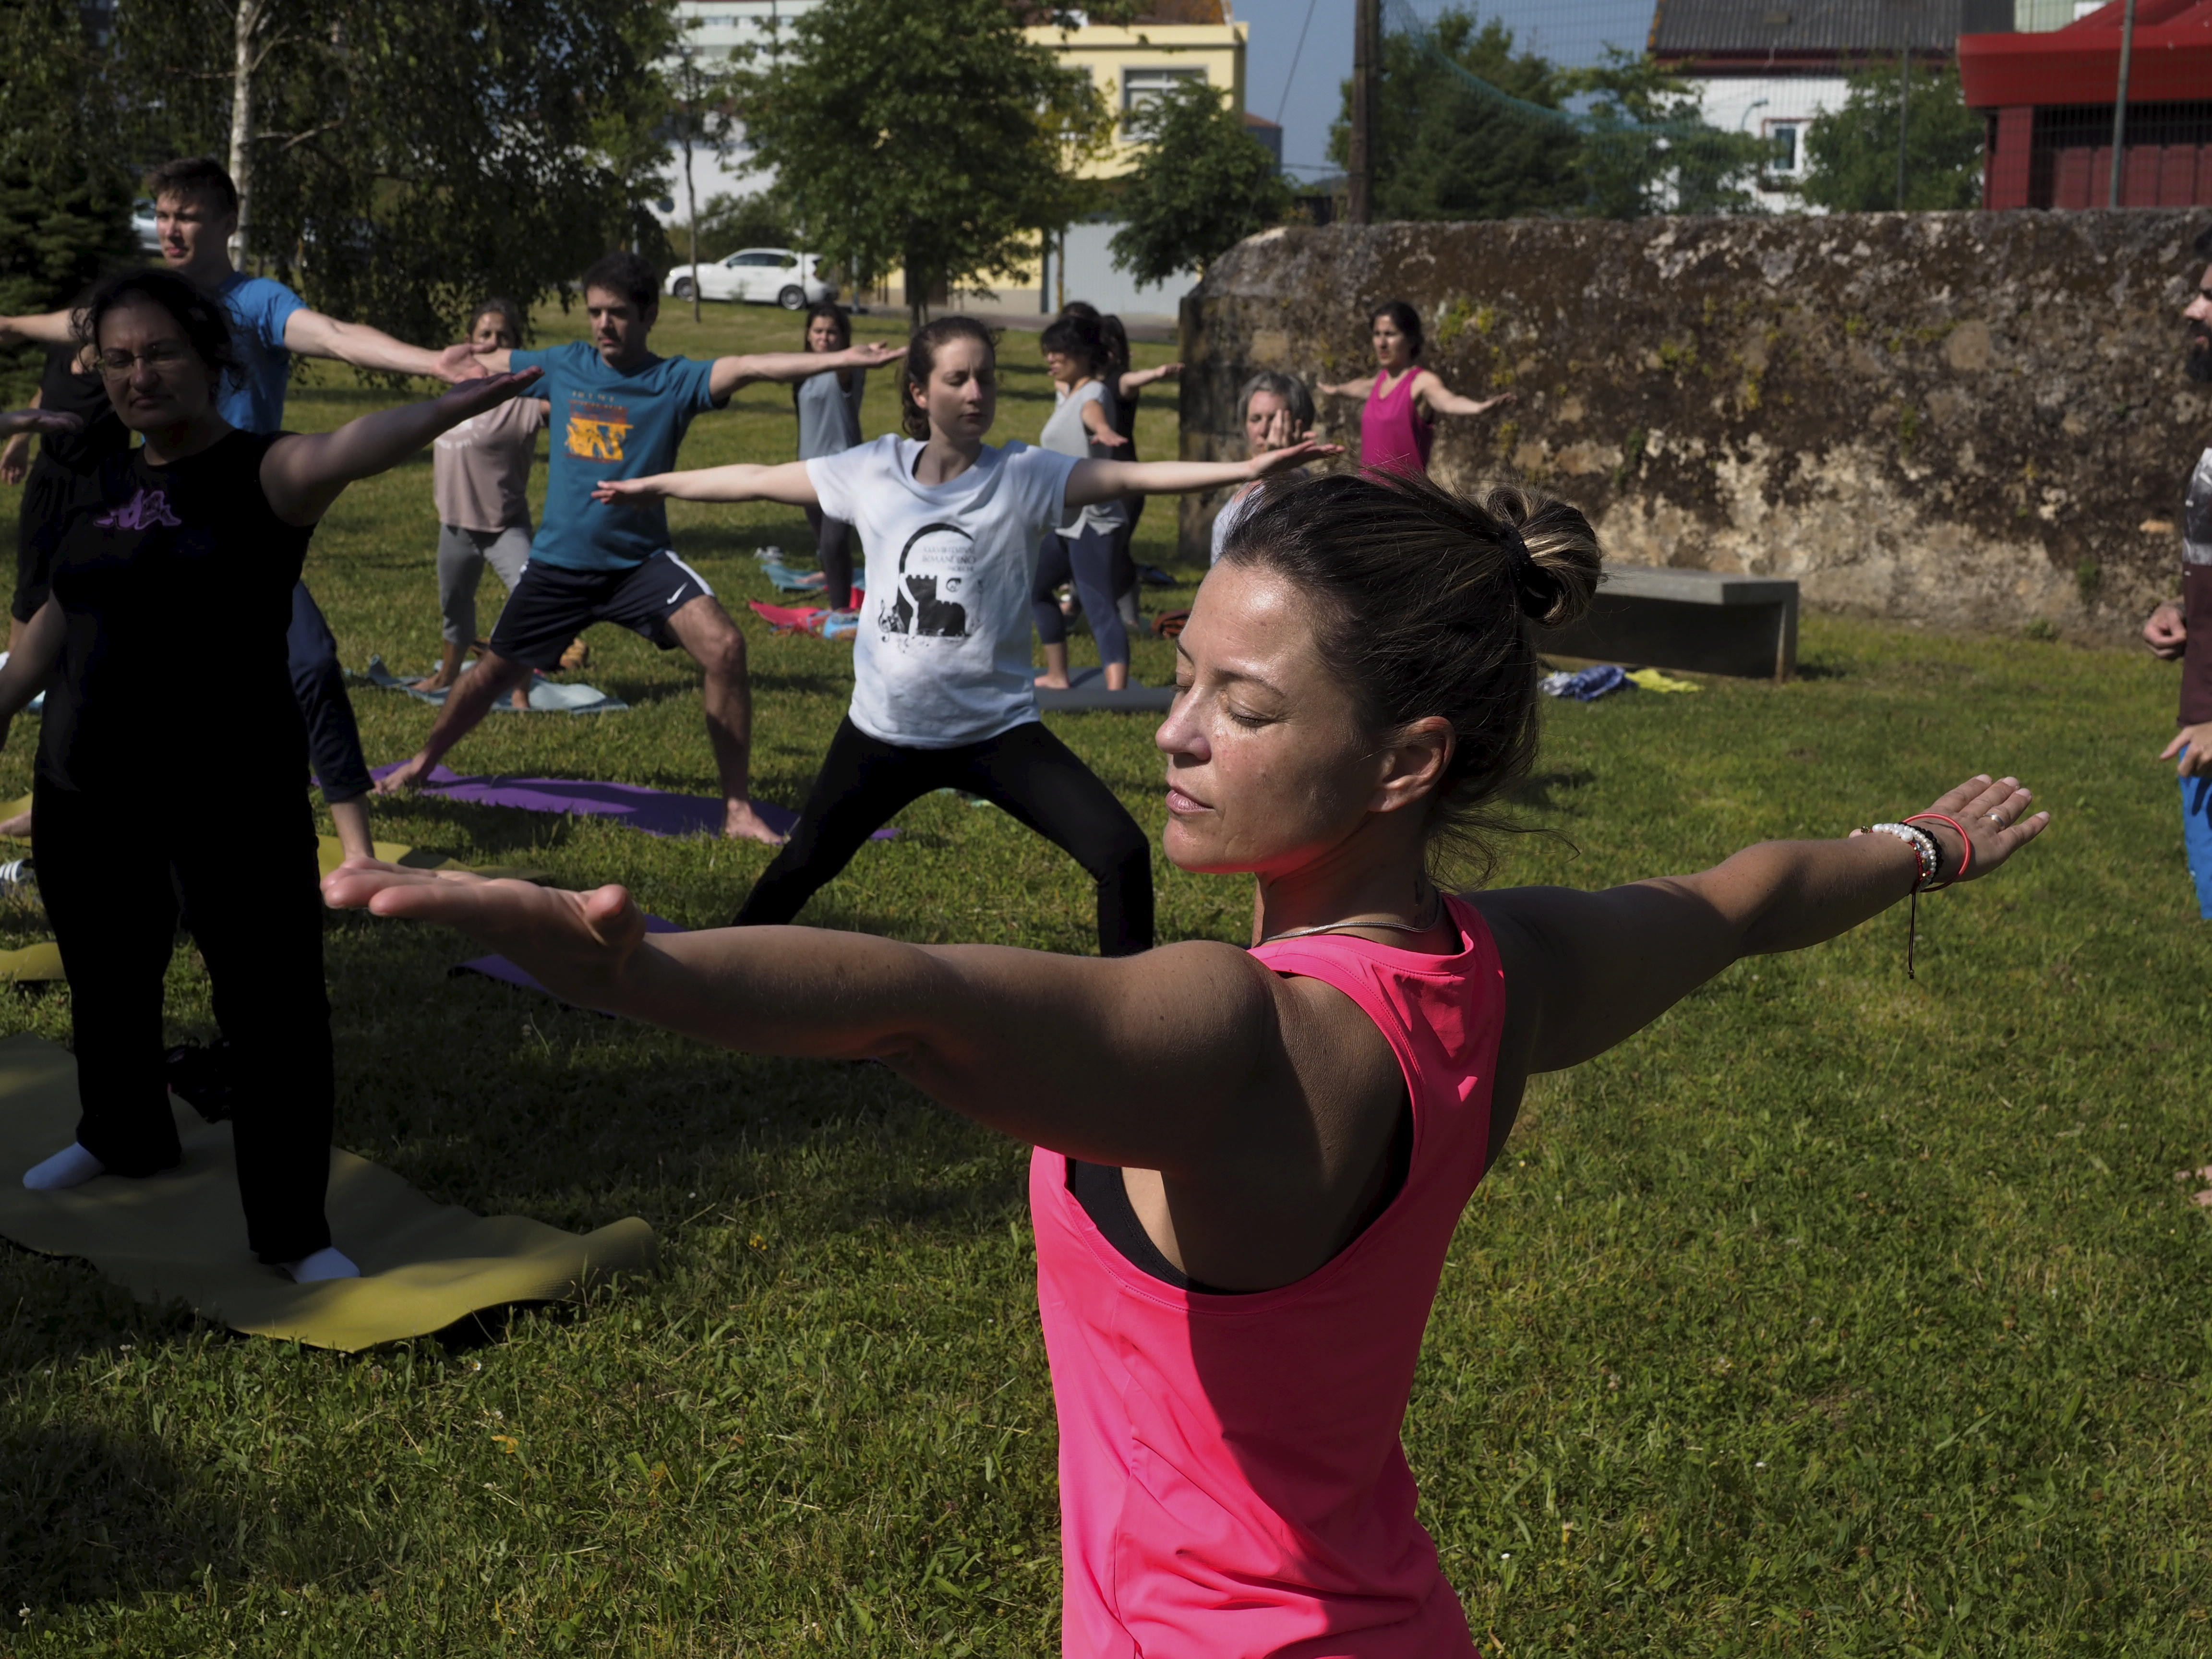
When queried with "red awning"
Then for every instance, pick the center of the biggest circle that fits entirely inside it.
(2079, 64)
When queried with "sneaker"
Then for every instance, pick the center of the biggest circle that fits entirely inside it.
(16, 872)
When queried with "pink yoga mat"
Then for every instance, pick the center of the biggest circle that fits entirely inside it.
(500, 969)
(654, 810)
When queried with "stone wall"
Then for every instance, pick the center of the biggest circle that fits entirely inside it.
(1968, 419)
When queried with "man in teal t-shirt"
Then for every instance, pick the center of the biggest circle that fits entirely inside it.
(618, 411)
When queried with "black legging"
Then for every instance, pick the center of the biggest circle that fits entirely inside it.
(114, 913)
(1031, 773)
(1087, 559)
(333, 739)
(833, 540)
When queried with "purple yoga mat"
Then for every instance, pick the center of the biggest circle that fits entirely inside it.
(654, 810)
(500, 969)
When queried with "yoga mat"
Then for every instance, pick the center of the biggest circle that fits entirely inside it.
(329, 855)
(788, 581)
(507, 973)
(546, 696)
(181, 1237)
(655, 811)
(34, 964)
(1086, 693)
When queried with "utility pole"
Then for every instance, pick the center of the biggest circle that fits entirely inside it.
(2120, 105)
(1904, 108)
(1366, 32)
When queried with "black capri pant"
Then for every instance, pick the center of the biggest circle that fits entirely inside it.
(114, 914)
(864, 783)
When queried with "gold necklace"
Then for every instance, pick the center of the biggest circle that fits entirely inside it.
(1433, 913)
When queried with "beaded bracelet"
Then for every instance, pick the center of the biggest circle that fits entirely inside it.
(1923, 845)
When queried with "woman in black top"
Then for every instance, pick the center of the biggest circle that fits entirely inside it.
(66, 455)
(164, 557)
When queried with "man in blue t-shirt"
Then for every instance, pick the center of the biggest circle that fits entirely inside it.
(618, 411)
(195, 216)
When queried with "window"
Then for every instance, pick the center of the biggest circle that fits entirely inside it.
(1786, 159)
(1141, 86)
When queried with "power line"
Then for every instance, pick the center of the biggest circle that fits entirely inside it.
(1299, 52)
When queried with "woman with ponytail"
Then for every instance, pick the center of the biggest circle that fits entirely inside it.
(943, 692)
(1249, 1162)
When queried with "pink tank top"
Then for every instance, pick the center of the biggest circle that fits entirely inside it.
(1231, 1482)
(1392, 436)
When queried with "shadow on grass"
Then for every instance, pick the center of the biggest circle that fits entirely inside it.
(95, 1516)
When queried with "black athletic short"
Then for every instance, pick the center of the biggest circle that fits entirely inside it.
(550, 605)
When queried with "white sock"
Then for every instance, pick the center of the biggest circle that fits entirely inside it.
(72, 1166)
(329, 1262)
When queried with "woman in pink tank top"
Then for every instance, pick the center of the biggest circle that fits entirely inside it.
(1397, 424)
(1248, 1163)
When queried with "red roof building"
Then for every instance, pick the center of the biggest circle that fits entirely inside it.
(2049, 99)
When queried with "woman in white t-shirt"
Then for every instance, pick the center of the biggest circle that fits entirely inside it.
(1277, 411)
(479, 480)
(1081, 548)
(943, 691)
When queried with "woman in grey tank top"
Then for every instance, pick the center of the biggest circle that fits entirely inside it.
(829, 424)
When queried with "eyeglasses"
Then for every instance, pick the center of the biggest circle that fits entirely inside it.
(160, 356)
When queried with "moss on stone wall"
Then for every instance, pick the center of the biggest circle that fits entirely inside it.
(1938, 418)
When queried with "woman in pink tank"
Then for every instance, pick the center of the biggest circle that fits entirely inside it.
(1248, 1163)
(1397, 424)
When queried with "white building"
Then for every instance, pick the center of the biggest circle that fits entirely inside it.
(1770, 66)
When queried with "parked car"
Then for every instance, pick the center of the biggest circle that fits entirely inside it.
(142, 224)
(764, 275)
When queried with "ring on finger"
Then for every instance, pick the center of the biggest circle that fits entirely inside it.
(1998, 818)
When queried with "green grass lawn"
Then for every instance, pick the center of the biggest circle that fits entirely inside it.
(1836, 1314)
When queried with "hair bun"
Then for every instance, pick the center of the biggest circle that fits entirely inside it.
(1537, 589)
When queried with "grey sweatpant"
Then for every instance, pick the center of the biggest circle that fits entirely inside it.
(462, 555)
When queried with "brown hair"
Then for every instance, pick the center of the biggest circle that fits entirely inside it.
(194, 175)
(1426, 602)
(921, 361)
(204, 322)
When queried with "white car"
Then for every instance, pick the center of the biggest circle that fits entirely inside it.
(765, 275)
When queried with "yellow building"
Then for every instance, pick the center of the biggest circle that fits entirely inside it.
(1172, 40)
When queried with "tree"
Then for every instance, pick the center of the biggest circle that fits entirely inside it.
(729, 223)
(1851, 153)
(703, 120)
(1202, 185)
(934, 137)
(1447, 147)
(1648, 148)
(402, 160)
(64, 204)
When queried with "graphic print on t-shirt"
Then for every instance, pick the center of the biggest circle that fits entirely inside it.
(142, 511)
(934, 570)
(596, 430)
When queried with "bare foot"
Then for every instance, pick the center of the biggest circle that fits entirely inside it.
(17, 828)
(1052, 682)
(741, 822)
(402, 779)
(441, 681)
(521, 698)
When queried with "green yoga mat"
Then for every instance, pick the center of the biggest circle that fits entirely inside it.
(179, 1236)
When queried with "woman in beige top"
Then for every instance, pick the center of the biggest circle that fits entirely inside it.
(479, 479)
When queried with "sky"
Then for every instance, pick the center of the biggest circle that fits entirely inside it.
(1567, 31)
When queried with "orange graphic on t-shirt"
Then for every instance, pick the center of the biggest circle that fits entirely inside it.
(596, 441)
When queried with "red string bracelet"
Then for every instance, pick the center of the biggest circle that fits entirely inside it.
(1965, 841)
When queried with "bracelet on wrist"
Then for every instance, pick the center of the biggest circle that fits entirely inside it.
(1925, 851)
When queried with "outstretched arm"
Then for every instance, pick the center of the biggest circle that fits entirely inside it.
(302, 475)
(1356, 388)
(52, 328)
(744, 481)
(1591, 969)
(1106, 481)
(311, 334)
(18, 423)
(1437, 398)
(1138, 379)
(1093, 416)
(16, 454)
(731, 373)
(1143, 1061)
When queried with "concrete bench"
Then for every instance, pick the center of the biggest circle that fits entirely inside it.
(1703, 622)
